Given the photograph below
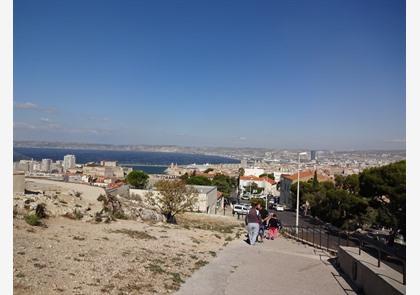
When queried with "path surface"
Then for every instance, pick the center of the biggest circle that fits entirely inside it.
(276, 267)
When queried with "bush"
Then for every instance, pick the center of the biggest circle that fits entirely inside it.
(33, 219)
(77, 214)
(120, 215)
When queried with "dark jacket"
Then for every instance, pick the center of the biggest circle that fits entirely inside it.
(273, 222)
(253, 216)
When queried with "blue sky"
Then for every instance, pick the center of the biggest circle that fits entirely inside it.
(279, 74)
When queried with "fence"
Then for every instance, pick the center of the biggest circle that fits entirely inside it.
(318, 237)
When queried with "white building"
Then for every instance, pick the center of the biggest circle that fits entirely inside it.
(96, 170)
(69, 162)
(109, 163)
(253, 171)
(267, 184)
(46, 165)
(36, 167)
(207, 198)
(24, 165)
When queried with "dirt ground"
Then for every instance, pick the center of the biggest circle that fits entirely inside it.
(123, 257)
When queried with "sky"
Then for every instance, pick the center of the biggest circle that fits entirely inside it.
(325, 74)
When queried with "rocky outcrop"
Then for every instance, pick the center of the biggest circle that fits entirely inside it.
(72, 205)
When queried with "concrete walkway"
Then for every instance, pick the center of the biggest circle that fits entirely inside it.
(276, 267)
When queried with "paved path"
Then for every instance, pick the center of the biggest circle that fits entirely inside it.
(276, 267)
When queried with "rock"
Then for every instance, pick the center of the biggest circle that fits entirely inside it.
(151, 215)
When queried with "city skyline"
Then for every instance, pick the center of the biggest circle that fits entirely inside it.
(281, 75)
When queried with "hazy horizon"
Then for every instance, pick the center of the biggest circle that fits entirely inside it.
(214, 147)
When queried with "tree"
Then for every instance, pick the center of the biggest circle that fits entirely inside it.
(341, 208)
(224, 183)
(270, 175)
(173, 197)
(253, 188)
(351, 183)
(198, 180)
(208, 170)
(388, 181)
(315, 182)
(138, 179)
(339, 181)
(241, 171)
(304, 188)
(255, 201)
(375, 196)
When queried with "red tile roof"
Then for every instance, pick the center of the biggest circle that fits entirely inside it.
(306, 174)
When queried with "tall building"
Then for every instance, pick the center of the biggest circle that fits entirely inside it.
(69, 162)
(314, 156)
(46, 165)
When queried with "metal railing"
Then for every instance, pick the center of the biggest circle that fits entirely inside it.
(318, 237)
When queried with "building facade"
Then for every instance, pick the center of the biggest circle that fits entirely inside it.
(314, 156)
(69, 162)
(46, 165)
(267, 184)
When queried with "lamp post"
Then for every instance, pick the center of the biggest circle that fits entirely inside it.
(266, 202)
(297, 195)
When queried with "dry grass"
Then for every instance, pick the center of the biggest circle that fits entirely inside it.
(208, 222)
(123, 257)
(135, 234)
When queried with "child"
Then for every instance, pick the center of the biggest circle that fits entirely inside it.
(273, 226)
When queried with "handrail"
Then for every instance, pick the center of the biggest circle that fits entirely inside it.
(291, 231)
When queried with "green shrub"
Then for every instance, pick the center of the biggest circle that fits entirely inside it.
(32, 219)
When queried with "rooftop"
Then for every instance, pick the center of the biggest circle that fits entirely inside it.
(256, 178)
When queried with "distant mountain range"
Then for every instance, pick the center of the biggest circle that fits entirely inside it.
(144, 148)
(236, 153)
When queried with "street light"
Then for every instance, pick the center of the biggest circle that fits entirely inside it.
(297, 195)
(266, 201)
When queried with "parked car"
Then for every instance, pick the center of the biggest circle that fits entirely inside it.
(240, 209)
(280, 208)
(245, 197)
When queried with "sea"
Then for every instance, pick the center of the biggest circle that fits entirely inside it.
(149, 162)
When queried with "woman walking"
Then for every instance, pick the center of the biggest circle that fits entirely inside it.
(253, 220)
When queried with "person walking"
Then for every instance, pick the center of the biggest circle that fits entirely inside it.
(273, 226)
(253, 220)
(264, 219)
